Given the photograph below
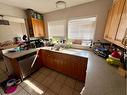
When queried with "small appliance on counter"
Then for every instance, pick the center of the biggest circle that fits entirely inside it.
(31, 43)
(101, 49)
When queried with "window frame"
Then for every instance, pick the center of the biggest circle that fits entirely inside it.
(65, 27)
(82, 18)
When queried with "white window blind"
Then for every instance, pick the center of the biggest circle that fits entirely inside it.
(57, 28)
(82, 29)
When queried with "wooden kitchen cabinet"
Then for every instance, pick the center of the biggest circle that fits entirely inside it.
(71, 65)
(38, 27)
(116, 17)
(107, 27)
(122, 30)
(35, 24)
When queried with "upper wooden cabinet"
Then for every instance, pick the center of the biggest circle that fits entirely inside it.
(122, 29)
(35, 24)
(116, 22)
(38, 27)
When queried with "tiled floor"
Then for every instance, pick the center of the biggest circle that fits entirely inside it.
(49, 82)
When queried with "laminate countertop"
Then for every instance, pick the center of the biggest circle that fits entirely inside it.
(103, 78)
(17, 54)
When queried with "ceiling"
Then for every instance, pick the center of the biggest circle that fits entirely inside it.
(42, 6)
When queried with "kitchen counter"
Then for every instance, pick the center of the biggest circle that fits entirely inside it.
(17, 54)
(73, 62)
(70, 51)
(103, 78)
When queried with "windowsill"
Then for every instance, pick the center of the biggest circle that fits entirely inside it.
(77, 46)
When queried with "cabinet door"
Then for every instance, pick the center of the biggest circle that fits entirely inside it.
(121, 33)
(109, 18)
(41, 28)
(35, 27)
(116, 12)
(38, 27)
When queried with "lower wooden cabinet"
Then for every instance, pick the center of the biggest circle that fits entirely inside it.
(71, 65)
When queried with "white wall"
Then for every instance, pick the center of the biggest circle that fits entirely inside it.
(11, 11)
(8, 32)
(97, 8)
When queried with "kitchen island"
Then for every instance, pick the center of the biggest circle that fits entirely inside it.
(71, 62)
(21, 63)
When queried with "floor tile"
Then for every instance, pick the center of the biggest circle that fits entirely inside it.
(40, 78)
(53, 74)
(49, 92)
(23, 84)
(35, 74)
(45, 71)
(56, 86)
(66, 91)
(34, 90)
(48, 81)
(79, 85)
(42, 87)
(70, 82)
(61, 78)
(22, 92)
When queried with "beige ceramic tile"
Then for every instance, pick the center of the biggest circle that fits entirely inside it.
(66, 90)
(53, 74)
(61, 78)
(40, 78)
(34, 91)
(42, 87)
(79, 85)
(48, 81)
(49, 92)
(22, 92)
(23, 84)
(70, 82)
(45, 71)
(35, 74)
(56, 86)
